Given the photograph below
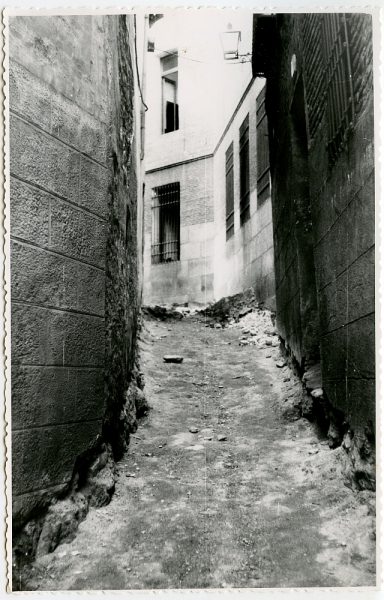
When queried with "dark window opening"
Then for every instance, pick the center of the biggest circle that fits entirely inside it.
(244, 171)
(263, 175)
(171, 117)
(170, 108)
(166, 223)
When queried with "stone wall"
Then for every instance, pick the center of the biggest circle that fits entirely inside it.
(191, 278)
(297, 317)
(343, 209)
(73, 233)
(124, 240)
(323, 214)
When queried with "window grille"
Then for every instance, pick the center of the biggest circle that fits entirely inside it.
(166, 223)
(244, 171)
(229, 192)
(314, 69)
(360, 43)
(263, 178)
(340, 101)
(328, 77)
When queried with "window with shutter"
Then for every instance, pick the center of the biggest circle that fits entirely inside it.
(244, 171)
(229, 192)
(263, 174)
(170, 109)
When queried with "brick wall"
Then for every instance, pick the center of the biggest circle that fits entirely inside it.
(64, 215)
(246, 258)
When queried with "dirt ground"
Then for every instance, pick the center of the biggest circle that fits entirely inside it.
(264, 507)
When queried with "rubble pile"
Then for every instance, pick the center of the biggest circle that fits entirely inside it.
(162, 313)
(232, 307)
(244, 312)
(257, 329)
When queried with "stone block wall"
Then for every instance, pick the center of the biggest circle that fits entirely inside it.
(296, 298)
(324, 247)
(68, 229)
(191, 278)
(343, 209)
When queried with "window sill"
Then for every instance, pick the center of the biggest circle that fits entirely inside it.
(169, 262)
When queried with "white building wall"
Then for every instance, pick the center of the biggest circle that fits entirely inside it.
(209, 90)
(208, 87)
(246, 259)
(191, 278)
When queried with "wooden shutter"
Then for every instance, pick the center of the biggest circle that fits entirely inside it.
(263, 179)
(229, 192)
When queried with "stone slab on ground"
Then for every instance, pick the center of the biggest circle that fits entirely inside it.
(172, 358)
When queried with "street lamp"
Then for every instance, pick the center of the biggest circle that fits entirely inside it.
(230, 41)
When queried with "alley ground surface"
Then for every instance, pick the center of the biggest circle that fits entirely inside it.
(265, 507)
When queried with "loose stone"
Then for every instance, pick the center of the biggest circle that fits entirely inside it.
(281, 364)
(173, 359)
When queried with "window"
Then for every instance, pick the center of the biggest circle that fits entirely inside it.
(169, 81)
(244, 171)
(327, 61)
(314, 69)
(166, 223)
(263, 180)
(229, 192)
(340, 102)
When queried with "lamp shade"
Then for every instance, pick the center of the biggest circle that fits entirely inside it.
(230, 42)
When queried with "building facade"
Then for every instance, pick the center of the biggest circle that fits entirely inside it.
(75, 228)
(319, 101)
(243, 247)
(195, 251)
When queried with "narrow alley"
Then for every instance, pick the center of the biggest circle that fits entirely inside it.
(190, 342)
(223, 485)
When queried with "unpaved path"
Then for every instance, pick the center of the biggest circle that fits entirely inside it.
(267, 507)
